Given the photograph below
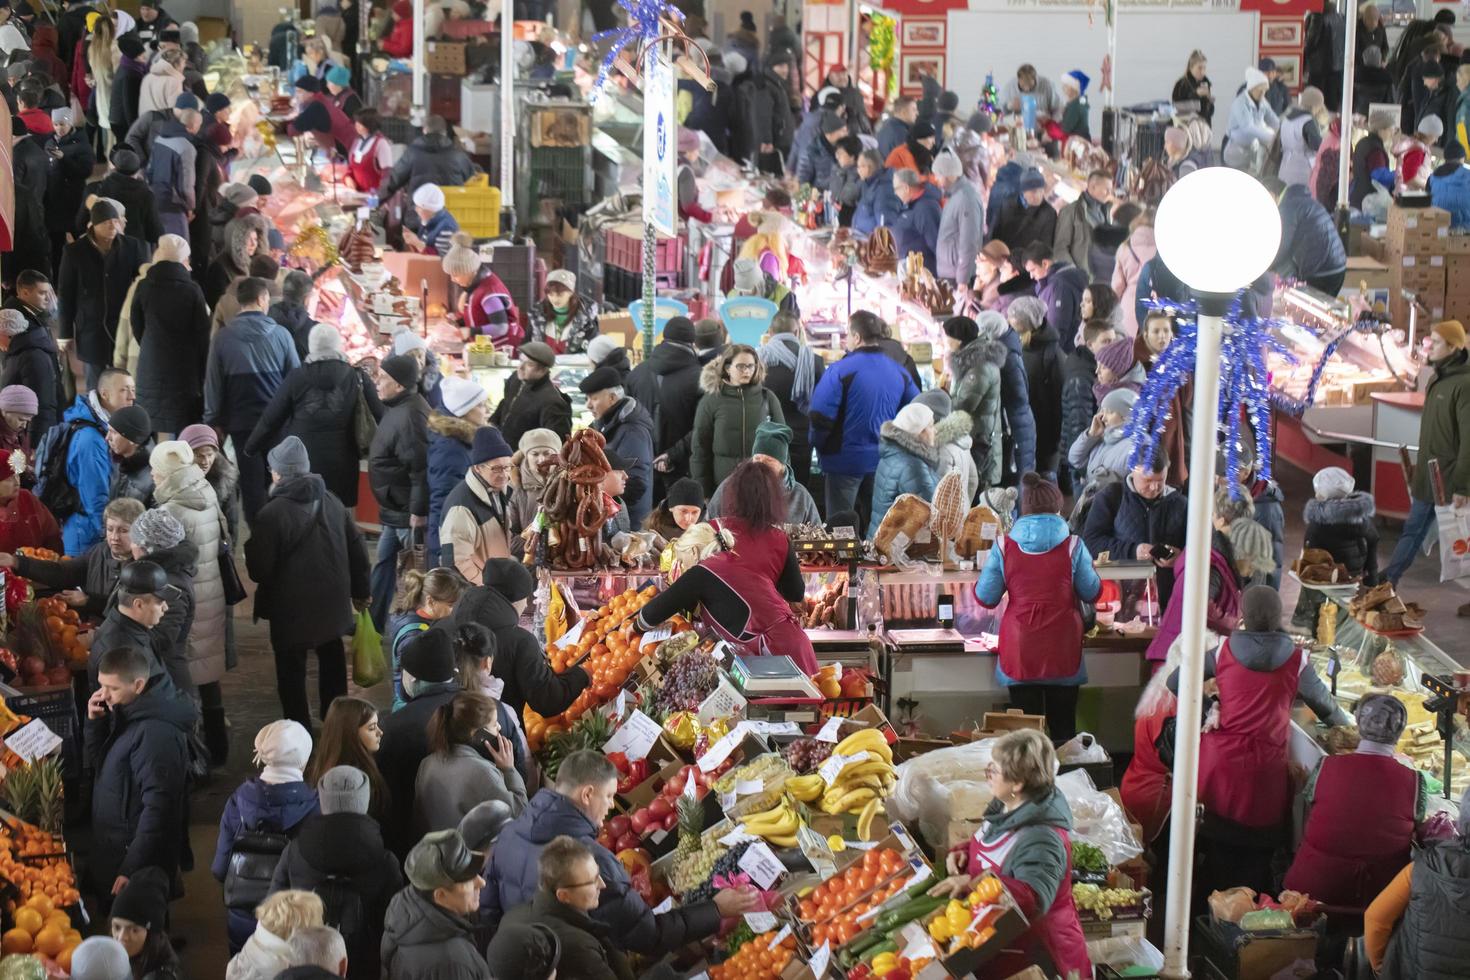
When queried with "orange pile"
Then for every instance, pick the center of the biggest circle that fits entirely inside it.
(756, 959)
(43, 929)
(62, 622)
(49, 881)
(837, 903)
(612, 645)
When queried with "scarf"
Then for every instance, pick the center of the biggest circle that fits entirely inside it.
(787, 351)
(96, 403)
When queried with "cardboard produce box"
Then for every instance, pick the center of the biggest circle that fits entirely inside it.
(1417, 229)
(997, 723)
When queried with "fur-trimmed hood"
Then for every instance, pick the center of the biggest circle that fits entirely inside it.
(236, 232)
(977, 353)
(909, 444)
(954, 428)
(711, 377)
(452, 427)
(1355, 508)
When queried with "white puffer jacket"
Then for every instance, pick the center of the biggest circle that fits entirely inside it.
(188, 496)
(263, 956)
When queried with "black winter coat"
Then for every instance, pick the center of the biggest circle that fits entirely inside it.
(208, 177)
(30, 241)
(1346, 528)
(139, 755)
(342, 858)
(628, 429)
(95, 573)
(170, 659)
(406, 744)
(317, 403)
(181, 564)
(136, 199)
(297, 321)
(1019, 226)
(68, 181)
(587, 949)
(1079, 404)
(127, 87)
(428, 160)
(667, 386)
(1120, 520)
(519, 661)
(92, 288)
(398, 467)
(170, 321)
(307, 556)
(778, 381)
(1043, 360)
(132, 476)
(772, 122)
(537, 405)
(34, 360)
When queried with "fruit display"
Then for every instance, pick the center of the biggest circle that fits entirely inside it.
(777, 826)
(760, 958)
(969, 923)
(35, 793)
(639, 866)
(1103, 903)
(805, 755)
(726, 864)
(590, 731)
(43, 635)
(832, 908)
(626, 831)
(769, 771)
(698, 850)
(41, 929)
(860, 785)
(836, 682)
(688, 680)
(34, 861)
(631, 772)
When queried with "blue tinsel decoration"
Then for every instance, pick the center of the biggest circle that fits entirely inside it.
(1245, 389)
(644, 26)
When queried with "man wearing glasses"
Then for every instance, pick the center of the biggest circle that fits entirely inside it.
(475, 527)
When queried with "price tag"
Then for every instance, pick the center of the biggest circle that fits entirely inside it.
(829, 730)
(772, 727)
(815, 847)
(779, 937)
(749, 787)
(657, 636)
(760, 922)
(664, 906)
(691, 790)
(635, 737)
(737, 836)
(900, 541)
(33, 741)
(834, 765)
(721, 648)
(657, 837)
(820, 959)
(917, 946)
(989, 532)
(727, 802)
(762, 866)
(571, 636)
(721, 750)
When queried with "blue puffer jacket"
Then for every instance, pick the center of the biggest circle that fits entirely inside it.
(89, 471)
(1007, 187)
(905, 465)
(877, 205)
(818, 158)
(916, 229)
(276, 808)
(448, 457)
(1015, 400)
(511, 879)
(863, 390)
(1452, 192)
(1310, 244)
(248, 360)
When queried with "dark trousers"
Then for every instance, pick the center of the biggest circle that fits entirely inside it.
(255, 476)
(1329, 284)
(391, 540)
(1058, 702)
(331, 678)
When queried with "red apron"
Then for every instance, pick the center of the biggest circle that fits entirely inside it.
(362, 164)
(26, 523)
(1243, 770)
(751, 571)
(1041, 629)
(342, 132)
(1148, 784)
(1057, 930)
(1354, 844)
(488, 285)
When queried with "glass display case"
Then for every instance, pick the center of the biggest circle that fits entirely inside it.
(1367, 359)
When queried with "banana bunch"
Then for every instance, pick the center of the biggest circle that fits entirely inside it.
(861, 783)
(807, 789)
(777, 825)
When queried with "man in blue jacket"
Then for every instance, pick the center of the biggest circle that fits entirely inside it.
(247, 363)
(819, 156)
(895, 129)
(849, 405)
(1449, 185)
(85, 433)
(576, 806)
(1311, 249)
(916, 228)
(876, 203)
(628, 429)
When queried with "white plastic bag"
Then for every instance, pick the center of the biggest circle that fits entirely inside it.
(1454, 541)
(1097, 818)
(1080, 749)
(1376, 204)
(943, 785)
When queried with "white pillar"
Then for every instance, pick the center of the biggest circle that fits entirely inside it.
(854, 21)
(507, 108)
(1192, 662)
(420, 108)
(1349, 70)
(1110, 97)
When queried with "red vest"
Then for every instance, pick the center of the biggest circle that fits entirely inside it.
(1057, 929)
(1359, 830)
(1148, 785)
(365, 172)
(1243, 771)
(1040, 629)
(751, 571)
(342, 131)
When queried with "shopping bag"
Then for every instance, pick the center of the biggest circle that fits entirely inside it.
(1454, 541)
(368, 666)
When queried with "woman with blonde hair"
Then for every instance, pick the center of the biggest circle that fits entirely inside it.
(423, 598)
(1194, 85)
(102, 62)
(268, 950)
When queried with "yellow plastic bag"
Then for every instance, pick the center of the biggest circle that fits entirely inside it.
(368, 665)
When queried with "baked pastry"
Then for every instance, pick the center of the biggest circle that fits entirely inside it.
(906, 518)
(880, 257)
(948, 516)
(981, 528)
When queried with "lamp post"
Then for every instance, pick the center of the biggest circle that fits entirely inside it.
(1217, 229)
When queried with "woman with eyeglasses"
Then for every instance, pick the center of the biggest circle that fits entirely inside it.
(1026, 841)
(734, 405)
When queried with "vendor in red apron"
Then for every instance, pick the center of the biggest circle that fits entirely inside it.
(744, 592)
(1355, 842)
(1042, 571)
(371, 156)
(24, 520)
(1244, 770)
(1026, 841)
(486, 307)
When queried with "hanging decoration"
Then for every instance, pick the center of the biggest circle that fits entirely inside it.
(990, 97)
(882, 42)
(1246, 394)
(646, 24)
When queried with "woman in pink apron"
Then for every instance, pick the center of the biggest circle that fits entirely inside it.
(1026, 841)
(745, 592)
(1042, 571)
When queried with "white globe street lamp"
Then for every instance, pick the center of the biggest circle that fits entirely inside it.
(1217, 229)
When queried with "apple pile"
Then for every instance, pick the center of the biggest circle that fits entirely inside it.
(626, 832)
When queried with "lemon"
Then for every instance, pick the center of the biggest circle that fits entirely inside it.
(836, 843)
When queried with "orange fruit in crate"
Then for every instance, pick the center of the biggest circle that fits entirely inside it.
(59, 920)
(15, 941)
(29, 919)
(42, 904)
(50, 942)
(64, 960)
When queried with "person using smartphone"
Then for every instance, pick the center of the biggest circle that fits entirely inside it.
(469, 762)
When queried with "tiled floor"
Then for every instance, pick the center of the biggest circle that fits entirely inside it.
(250, 698)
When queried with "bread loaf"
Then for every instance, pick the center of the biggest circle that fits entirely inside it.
(907, 517)
(979, 531)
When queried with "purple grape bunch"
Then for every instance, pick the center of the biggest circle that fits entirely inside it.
(806, 755)
(687, 682)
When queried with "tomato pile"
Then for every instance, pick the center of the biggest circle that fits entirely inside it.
(757, 959)
(836, 904)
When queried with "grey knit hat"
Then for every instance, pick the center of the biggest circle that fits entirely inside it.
(1381, 718)
(155, 530)
(1026, 313)
(289, 458)
(344, 789)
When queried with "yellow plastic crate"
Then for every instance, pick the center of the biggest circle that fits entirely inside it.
(476, 206)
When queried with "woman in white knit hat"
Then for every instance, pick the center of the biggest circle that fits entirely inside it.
(451, 432)
(908, 461)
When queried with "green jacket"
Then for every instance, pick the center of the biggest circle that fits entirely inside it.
(725, 422)
(1074, 119)
(974, 388)
(1444, 430)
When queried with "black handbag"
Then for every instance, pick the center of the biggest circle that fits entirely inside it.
(253, 862)
(229, 576)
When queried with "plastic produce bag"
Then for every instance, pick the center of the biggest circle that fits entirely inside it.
(368, 665)
(1232, 903)
(1080, 749)
(1097, 818)
(1454, 534)
(943, 785)
(1376, 204)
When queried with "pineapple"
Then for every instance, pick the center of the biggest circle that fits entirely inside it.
(35, 793)
(691, 824)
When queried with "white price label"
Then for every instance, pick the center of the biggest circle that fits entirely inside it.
(620, 707)
(989, 531)
(820, 959)
(780, 937)
(657, 837)
(721, 750)
(760, 922)
(635, 737)
(33, 741)
(571, 636)
(835, 763)
(664, 906)
(762, 865)
(900, 541)
(656, 636)
(691, 789)
(817, 851)
(737, 836)
(749, 787)
(727, 801)
(721, 648)
(829, 730)
(772, 727)
(918, 946)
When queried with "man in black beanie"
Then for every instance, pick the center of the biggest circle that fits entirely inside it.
(127, 86)
(666, 384)
(476, 526)
(628, 429)
(429, 680)
(398, 473)
(122, 184)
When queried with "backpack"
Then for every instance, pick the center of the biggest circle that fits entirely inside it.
(53, 487)
(344, 911)
(253, 862)
(164, 173)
